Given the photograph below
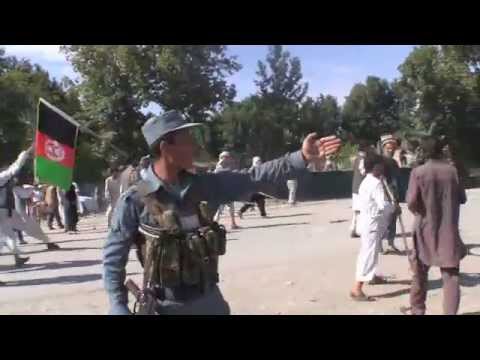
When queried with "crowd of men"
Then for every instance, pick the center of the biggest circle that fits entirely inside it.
(169, 212)
(121, 178)
(435, 192)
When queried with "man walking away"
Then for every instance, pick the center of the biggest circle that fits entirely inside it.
(434, 195)
(225, 164)
(71, 211)
(51, 199)
(112, 193)
(256, 198)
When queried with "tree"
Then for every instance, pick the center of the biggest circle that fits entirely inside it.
(241, 125)
(439, 90)
(280, 78)
(21, 85)
(371, 109)
(469, 54)
(278, 101)
(321, 115)
(120, 81)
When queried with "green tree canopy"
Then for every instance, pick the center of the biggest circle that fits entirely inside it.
(437, 89)
(119, 81)
(371, 109)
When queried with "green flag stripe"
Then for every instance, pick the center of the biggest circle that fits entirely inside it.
(54, 173)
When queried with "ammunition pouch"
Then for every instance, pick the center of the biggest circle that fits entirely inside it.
(172, 259)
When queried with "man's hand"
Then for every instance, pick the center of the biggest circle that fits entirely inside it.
(315, 148)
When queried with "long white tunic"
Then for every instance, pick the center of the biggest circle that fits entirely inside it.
(375, 211)
(16, 222)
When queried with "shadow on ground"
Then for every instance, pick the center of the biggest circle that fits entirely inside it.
(69, 279)
(466, 280)
(74, 240)
(270, 226)
(61, 249)
(287, 216)
(338, 221)
(470, 247)
(54, 266)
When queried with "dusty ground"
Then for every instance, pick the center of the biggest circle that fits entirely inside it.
(298, 261)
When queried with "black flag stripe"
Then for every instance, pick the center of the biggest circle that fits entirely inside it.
(56, 126)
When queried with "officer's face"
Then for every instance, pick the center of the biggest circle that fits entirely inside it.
(182, 149)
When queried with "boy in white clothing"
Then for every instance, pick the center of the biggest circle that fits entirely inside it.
(375, 214)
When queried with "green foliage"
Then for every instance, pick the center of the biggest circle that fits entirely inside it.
(321, 115)
(118, 81)
(21, 85)
(345, 156)
(438, 85)
(273, 114)
(371, 109)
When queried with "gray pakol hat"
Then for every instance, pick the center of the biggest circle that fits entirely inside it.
(159, 126)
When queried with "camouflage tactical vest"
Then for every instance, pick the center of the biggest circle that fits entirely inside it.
(173, 258)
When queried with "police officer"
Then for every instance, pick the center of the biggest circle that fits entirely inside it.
(183, 281)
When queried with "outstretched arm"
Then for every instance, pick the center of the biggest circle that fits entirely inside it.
(230, 186)
(15, 168)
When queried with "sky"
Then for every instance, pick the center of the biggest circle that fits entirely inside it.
(329, 69)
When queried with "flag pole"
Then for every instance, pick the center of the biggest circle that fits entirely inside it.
(78, 125)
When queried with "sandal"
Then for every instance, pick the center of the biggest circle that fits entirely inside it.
(361, 298)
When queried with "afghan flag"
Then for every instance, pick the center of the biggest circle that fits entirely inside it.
(54, 146)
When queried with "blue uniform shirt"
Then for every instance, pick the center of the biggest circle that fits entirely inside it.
(215, 189)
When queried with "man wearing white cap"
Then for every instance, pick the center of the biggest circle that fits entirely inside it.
(389, 146)
(225, 163)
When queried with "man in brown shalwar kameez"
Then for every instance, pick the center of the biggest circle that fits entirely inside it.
(434, 196)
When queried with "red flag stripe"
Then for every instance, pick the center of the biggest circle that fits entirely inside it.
(54, 151)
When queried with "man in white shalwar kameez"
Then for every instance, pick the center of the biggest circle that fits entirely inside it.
(112, 193)
(375, 215)
(10, 220)
(8, 235)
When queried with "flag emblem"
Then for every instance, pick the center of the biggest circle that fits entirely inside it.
(54, 151)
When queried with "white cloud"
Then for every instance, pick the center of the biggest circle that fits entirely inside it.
(50, 53)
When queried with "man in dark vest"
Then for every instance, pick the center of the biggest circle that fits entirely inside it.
(168, 215)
